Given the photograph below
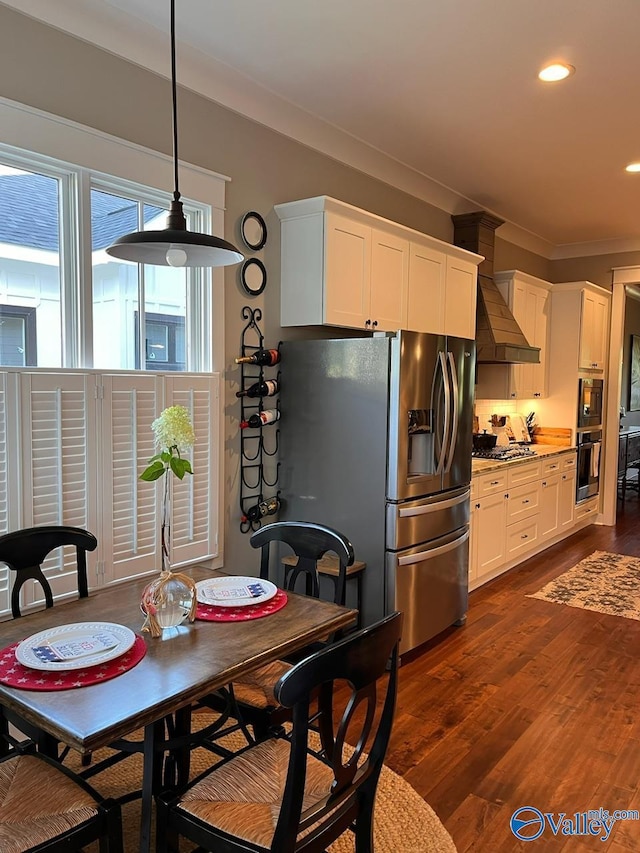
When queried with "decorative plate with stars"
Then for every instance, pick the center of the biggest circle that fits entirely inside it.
(75, 646)
(14, 674)
(212, 613)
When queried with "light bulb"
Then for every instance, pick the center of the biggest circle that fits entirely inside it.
(176, 257)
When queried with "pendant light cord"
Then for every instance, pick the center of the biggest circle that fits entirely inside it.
(174, 97)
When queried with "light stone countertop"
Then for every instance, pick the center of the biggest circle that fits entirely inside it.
(483, 466)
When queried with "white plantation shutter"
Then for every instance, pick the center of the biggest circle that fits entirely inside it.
(5, 478)
(130, 510)
(58, 467)
(72, 448)
(195, 511)
(4, 472)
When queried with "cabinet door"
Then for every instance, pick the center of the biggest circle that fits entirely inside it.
(549, 519)
(567, 500)
(460, 299)
(347, 265)
(473, 543)
(490, 533)
(593, 330)
(530, 309)
(427, 273)
(389, 281)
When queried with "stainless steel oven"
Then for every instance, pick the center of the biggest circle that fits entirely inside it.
(590, 402)
(588, 475)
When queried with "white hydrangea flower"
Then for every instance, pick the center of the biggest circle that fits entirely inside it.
(174, 433)
(174, 428)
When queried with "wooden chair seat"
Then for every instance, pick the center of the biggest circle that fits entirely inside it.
(41, 804)
(244, 797)
(256, 688)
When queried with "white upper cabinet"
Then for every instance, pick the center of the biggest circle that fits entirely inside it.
(342, 266)
(581, 335)
(594, 330)
(529, 301)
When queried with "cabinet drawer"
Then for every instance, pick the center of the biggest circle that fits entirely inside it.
(488, 484)
(520, 474)
(524, 501)
(521, 536)
(569, 462)
(551, 466)
(587, 508)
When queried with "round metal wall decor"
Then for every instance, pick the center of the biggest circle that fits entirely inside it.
(253, 276)
(253, 230)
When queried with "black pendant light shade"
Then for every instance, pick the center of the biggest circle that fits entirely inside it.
(175, 246)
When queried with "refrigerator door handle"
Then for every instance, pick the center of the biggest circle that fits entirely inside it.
(433, 507)
(454, 424)
(421, 556)
(446, 430)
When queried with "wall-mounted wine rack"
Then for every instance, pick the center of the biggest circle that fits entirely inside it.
(257, 444)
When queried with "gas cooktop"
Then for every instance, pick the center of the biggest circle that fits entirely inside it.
(503, 454)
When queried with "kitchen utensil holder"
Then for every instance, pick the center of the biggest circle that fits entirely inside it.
(254, 450)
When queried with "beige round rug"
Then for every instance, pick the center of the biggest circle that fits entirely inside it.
(404, 822)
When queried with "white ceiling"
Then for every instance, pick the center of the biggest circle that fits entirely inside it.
(439, 97)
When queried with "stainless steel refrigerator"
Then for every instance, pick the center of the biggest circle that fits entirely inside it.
(375, 440)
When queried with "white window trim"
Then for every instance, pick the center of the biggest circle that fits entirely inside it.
(28, 129)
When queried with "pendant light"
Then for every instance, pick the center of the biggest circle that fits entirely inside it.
(175, 246)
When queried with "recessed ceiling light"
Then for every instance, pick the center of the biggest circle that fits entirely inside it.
(632, 167)
(556, 71)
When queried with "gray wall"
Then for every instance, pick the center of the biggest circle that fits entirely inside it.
(49, 70)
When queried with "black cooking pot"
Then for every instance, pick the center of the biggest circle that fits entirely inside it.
(484, 440)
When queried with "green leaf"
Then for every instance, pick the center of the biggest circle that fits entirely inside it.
(180, 467)
(153, 472)
(166, 457)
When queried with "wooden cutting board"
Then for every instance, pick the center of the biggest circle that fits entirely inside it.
(552, 435)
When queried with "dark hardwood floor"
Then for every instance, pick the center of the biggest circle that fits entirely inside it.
(530, 704)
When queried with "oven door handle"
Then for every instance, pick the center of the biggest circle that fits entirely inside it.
(430, 554)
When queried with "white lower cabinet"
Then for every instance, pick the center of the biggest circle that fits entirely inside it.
(549, 506)
(518, 509)
(490, 537)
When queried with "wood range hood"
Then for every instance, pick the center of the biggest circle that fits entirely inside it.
(499, 339)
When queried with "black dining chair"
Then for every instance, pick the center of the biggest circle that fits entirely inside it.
(252, 698)
(24, 551)
(45, 807)
(283, 794)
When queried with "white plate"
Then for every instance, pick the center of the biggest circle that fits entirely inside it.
(233, 591)
(75, 646)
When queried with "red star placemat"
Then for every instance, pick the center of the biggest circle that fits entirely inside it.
(14, 674)
(211, 613)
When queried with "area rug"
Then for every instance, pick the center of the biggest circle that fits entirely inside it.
(604, 582)
(404, 822)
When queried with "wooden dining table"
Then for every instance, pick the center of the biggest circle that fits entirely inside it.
(179, 668)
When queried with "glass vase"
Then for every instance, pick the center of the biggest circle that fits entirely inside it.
(171, 598)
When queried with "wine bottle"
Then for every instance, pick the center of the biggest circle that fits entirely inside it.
(259, 510)
(260, 389)
(265, 358)
(266, 416)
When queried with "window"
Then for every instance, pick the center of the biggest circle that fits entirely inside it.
(164, 342)
(75, 435)
(91, 319)
(18, 336)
